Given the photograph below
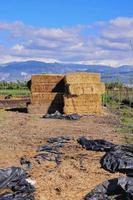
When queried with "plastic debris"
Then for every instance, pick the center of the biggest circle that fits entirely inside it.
(58, 115)
(51, 151)
(115, 189)
(119, 159)
(14, 178)
(25, 163)
(60, 139)
(95, 145)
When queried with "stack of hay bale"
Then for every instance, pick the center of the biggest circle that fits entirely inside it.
(46, 93)
(83, 93)
(78, 93)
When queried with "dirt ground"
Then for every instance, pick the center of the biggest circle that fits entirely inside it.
(79, 171)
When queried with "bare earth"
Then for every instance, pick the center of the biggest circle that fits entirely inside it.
(79, 171)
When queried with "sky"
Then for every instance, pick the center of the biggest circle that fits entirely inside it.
(68, 31)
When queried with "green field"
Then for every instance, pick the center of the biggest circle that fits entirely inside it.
(15, 92)
(121, 105)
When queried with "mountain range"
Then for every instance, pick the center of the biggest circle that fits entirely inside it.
(23, 70)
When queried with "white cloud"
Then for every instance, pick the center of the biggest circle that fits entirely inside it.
(99, 43)
(18, 47)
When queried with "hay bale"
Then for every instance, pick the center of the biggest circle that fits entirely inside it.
(84, 91)
(44, 109)
(81, 77)
(85, 88)
(48, 87)
(82, 104)
(83, 110)
(42, 98)
(85, 99)
(47, 78)
(37, 109)
(54, 102)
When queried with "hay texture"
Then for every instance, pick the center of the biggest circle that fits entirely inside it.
(82, 104)
(46, 78)
(83, 93)
(44, 109)
(37, 109)
(78, 78)
(85, 88)
(48, 87)
(73, 93)
(80, 100)
(83, 110)
(42, 98)
(46, 93)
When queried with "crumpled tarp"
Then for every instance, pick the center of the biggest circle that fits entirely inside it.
(59, 140)
(14, 178)
(115, 189)
(51, 150)
(95, 145)
(119, 159)
(58, 115)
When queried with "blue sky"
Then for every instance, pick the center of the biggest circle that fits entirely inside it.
(78, 31)
(60, 13)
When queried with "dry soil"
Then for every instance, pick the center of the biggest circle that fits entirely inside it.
(79, 171)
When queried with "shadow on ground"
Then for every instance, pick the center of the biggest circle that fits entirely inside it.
(21, 110)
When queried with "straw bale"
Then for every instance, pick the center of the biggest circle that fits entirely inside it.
(47, 78)
(84, 91)
(85, 99)
(82, 78)
(48, 87)
(83, 110)
(37, 109)
(82, 104)
(42, 102)
(85, 88)
(42, 98)
(43, 109)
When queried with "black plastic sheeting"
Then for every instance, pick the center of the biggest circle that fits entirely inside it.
(58, 115)
(59, 140)
(25, 163)
(119, 159)
(115, 189)
(51, 150)
(14, 178)
(95, 145)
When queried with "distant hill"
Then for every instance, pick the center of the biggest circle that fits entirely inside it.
(23, 70)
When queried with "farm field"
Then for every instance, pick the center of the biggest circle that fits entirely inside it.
(66, 100)
(15, 92)
(79, 171)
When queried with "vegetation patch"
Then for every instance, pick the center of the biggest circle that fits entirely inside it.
(115, 99)
(18, 88)
(15, 92)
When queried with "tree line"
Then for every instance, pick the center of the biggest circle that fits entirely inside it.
(24, 85)
(113, 85)
(13, 85)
